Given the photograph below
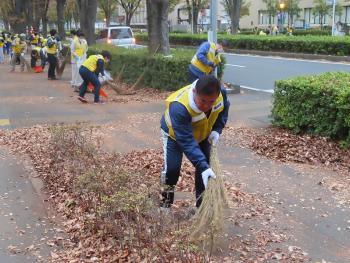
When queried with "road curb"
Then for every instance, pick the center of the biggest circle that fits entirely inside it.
(290, 55)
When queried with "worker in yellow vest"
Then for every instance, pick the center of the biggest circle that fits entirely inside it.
(2, 44)
(193, 121)
(18, 46)
(79, 48)
(34, 40)
(52, 46)
(206, 59)
(89, 72)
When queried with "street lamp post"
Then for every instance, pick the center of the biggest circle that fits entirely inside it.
(282, 5)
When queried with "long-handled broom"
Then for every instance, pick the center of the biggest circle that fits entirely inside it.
(208, 220)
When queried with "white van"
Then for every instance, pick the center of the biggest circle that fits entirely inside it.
(117, 35)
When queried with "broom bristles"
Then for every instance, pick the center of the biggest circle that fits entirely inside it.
(208, 220)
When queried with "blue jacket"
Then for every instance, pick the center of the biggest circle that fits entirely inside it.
(181, 122)
(202, 56)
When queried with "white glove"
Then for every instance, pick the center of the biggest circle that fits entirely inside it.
(205, 176)
(105, 78)
(214, 138)
(22, 54)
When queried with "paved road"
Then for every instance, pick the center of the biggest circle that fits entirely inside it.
(260, 73)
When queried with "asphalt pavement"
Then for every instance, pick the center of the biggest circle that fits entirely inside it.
(260, 72)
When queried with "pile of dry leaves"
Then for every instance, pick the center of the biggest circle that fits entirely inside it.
(109, 203)
(141, 94)
(283, 145)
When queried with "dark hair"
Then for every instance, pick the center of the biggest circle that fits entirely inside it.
(80, 34)
(53, 32)
(106, 54)
(223, 42)
(208, 85)
(73, 32)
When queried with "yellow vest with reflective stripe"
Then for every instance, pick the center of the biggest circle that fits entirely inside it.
(91, 62)
(201, 124)
(19, 46)
(53, 49)
(210, 56)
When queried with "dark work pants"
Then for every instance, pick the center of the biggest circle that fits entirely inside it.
(172, 166)
(52, 59)
(89, 77)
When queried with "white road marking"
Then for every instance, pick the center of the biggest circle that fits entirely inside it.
(233, 65)
(262, 90)
(292, 59)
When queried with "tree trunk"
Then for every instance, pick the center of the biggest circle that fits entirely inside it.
(45, 20)
(88, 10)
(128, 17)
(157, 21)
(29, 14)
(195, 19)
(235, 15)
(17, 18)
(60, 18)
(7, 25)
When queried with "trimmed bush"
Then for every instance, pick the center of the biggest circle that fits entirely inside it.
(317, 104)
(160, 72)
(326, 45)
(312, 31)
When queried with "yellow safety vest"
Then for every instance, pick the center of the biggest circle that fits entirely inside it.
(53, 49)
(19, 46)
(35, 41)
(201, 124)
(210, 56)
(91, 62)
(2, 43)
(79, 47)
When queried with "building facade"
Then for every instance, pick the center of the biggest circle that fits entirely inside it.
(258, 16)
(306, 19)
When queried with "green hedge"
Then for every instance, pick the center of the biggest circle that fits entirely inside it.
(317, 104)
(160, 72)
(327, 45)
(312, 31)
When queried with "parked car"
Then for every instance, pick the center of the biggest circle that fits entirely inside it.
(118, 36)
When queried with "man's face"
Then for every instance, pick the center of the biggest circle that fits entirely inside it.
(204, 102)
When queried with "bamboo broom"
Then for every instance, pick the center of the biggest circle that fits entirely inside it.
(208, 220)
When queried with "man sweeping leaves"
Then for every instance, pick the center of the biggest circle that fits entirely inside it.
(193, 121)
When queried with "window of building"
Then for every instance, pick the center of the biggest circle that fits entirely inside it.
(346, 14)
(264, 18)
(307, 15)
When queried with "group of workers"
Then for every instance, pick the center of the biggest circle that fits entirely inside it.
(194, 117)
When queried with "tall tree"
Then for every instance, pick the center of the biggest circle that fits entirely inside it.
(87, 11)
(129, 7)
(16, 15)
(236, 9)
(108, 7)
(60, 18)
(157, 22)
(5, 10)
(322, 8)
(271, 9)
(293, 10)
(194, 6)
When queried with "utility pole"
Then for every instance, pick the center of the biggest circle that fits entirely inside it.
(212, 34)
(333, 20)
